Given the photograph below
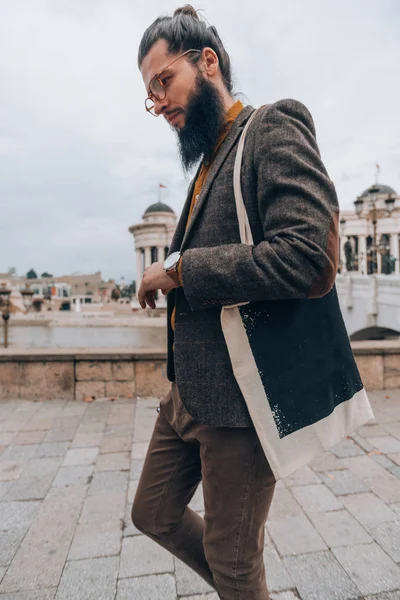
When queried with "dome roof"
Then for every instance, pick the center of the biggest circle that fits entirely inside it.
(383, 189)
(158, 207)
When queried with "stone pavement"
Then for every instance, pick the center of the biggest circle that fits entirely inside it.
(68, 474)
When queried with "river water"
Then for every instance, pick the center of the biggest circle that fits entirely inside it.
(85, 337)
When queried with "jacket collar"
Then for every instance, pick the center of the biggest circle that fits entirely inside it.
(181, 236)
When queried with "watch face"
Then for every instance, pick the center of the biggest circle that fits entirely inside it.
(171, 260)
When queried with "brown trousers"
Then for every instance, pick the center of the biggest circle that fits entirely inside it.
(226, 547)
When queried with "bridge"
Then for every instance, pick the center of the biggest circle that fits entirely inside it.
(370, 305)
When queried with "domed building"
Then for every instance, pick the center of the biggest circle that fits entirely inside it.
(379, 203)
(152, 239)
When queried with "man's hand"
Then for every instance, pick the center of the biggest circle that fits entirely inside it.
(154, 278)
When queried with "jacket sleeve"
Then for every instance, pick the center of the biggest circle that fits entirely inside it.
(299, 212)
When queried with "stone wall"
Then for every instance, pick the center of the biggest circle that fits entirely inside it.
(73, 374)
(43, 375)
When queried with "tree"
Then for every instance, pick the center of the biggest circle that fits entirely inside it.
(46, 274)
(115, 294)
(31, 274)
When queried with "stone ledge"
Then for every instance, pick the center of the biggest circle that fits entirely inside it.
(58, 354)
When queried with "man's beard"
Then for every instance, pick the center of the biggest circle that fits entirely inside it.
(204, 120)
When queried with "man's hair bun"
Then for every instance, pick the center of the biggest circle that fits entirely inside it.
(187, 10)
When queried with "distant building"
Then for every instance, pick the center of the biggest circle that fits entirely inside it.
(359, 232)
(152, 239)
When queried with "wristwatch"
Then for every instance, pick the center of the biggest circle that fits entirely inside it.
(170, 266)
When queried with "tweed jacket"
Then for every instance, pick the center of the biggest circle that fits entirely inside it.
(293, 212)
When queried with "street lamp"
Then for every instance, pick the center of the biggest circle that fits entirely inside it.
(27, 294)
(374, 214)
(5, 310)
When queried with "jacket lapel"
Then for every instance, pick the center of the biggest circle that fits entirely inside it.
(180, 228)
(223, 152)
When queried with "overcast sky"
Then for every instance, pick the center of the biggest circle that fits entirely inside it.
(80, 160)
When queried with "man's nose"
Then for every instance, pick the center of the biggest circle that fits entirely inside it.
(160, 105)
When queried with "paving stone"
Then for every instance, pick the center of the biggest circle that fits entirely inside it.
(119, 430)
(188, 582)
(370, 568)
(365, 466)
(28, 437)
(108, 481)
(116, 444)
(326, 462)
(295, 535)
(155, 587)
(136, 468)
(38, 423)
(15, 520)
(139, 450)
(316, 498)
(97, 539)
(80, 456)
(276, 573)
(284, 505)
(6, 437)
(395, 471)
(51, 449)
(387, 535)
(35, 595)
(339, 528)
(385, 596)
(197, 502)
(92, 579)
(19, 453)
(393, 429)
(29, 488)
(10, 469)
(362, 442)
(113, 461)
(212, 596)
(4, 487)
(318, 576)
(343, 482)
(142, 556)
(395, 507)
(368, 509)
(346, 448)
(288, 595)
(386, 488)
(40, 559)
(103, 507)
(41, 467)
(386, 443)
(86, 440)
(303, 476)
(60, 435)
(372, 430)
(395, 458)
(73, 476)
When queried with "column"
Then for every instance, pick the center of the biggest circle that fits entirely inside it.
(147, 257)
(160, 250)
(394, 250)
(343, 240)
(362, 255)
(139, 273)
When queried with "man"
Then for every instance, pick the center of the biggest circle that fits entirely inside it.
(204, 431)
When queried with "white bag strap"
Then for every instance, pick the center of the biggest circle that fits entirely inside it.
(244, 225)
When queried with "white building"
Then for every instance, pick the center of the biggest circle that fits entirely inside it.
(358, 230)
(152, 240)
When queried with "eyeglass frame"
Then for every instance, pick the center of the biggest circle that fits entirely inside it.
(151, 96)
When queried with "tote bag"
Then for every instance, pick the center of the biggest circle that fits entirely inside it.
(298, 377)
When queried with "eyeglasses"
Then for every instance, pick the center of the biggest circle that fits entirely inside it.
(157, 88)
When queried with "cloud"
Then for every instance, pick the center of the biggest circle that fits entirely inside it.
(80, 160)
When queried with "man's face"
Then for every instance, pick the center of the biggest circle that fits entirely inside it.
(193, 105)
